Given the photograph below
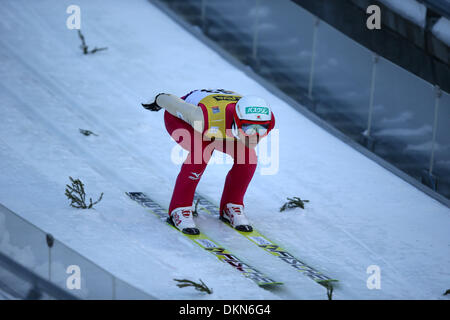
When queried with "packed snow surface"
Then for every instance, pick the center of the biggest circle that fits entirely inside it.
(359, 214)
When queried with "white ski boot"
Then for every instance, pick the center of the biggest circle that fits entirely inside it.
(234, 215)
(183, 220)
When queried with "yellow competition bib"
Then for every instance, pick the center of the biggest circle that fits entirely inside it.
(215, 105)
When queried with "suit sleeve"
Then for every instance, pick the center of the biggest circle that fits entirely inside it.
(181, 109)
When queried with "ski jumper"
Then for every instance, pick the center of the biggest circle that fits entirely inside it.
(201, 123)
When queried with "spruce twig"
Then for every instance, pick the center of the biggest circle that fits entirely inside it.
(87, 132)
(202, 287)
(85, 47)
(294, 202)
(77, 195)
(330, 292)
(195, 211)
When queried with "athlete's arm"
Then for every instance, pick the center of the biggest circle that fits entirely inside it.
(181, 109)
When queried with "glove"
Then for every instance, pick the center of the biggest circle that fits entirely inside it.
(152, 106)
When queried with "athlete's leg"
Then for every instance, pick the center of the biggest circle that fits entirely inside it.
(240, 174)
(193, 166)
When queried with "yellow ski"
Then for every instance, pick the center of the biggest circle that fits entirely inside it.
(206, 243)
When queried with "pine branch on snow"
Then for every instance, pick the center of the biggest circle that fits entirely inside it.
(195, 211)
(85, 47)
(77, 195)
(294, 202)
(330, 292)
(202, 287)
(87, 132)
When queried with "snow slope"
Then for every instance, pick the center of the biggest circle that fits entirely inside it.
(359, 214)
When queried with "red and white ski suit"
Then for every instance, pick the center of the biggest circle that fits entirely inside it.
(214, 115)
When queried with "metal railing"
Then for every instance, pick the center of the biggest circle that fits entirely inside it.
(21, 283)
(36, 263)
